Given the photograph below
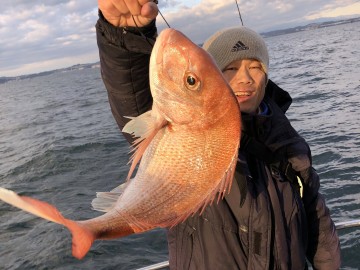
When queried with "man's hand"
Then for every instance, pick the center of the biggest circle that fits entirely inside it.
(120, 12)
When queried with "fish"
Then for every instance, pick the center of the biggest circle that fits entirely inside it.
(184, 153)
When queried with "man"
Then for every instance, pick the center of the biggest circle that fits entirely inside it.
(274, 216)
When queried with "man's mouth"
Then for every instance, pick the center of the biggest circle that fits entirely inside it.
(243, 94)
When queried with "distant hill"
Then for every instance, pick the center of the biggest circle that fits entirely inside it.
(310, 26)
(75, 67)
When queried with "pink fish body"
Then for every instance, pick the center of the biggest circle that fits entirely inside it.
(187, 149)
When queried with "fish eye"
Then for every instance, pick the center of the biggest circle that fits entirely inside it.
(191, 81)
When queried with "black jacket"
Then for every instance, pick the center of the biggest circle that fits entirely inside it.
(263, 223)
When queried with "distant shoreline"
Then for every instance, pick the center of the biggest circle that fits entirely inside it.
(44, 73)
(296, 29)
(307, 27)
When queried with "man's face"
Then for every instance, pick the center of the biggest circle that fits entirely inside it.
(247, 80)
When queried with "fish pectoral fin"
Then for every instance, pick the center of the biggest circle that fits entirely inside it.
(106, 201)
(139, 126)
(144, 127)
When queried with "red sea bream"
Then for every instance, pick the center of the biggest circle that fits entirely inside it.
(187, 149)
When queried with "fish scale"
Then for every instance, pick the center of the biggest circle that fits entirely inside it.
(191, 175)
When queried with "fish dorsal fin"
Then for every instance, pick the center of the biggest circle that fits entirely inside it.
(106, 201)
(144, 127)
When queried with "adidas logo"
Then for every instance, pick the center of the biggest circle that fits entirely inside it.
(239, 46)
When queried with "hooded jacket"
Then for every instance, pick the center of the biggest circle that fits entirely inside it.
(271, 219)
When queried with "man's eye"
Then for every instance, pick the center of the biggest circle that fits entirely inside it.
(230, 69)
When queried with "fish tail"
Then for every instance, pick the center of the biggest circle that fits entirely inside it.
(82, 237)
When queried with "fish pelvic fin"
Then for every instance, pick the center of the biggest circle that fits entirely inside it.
(144, 127)
(82, 237)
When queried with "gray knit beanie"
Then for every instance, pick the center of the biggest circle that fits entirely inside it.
(237, 43)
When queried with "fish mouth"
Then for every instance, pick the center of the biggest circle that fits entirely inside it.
(167, 35)
(170, 44)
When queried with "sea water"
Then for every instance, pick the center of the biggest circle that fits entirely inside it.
(60, 143)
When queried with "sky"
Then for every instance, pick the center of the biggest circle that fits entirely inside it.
(38, 36)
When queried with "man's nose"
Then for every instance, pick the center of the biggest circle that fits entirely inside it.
(243, 76)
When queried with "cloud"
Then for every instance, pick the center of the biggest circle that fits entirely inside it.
(34, 31)
(33, 37)
(332, 10)
(51, 64)
(282, 6)
(40, 35)
(207, 16)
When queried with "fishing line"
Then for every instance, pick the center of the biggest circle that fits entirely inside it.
(157, 2)
(151, 42)
(164, 18)
(138, 28)
(237, 4)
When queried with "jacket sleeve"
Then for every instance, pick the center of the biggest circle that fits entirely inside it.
(124, 60)
(323, 243)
